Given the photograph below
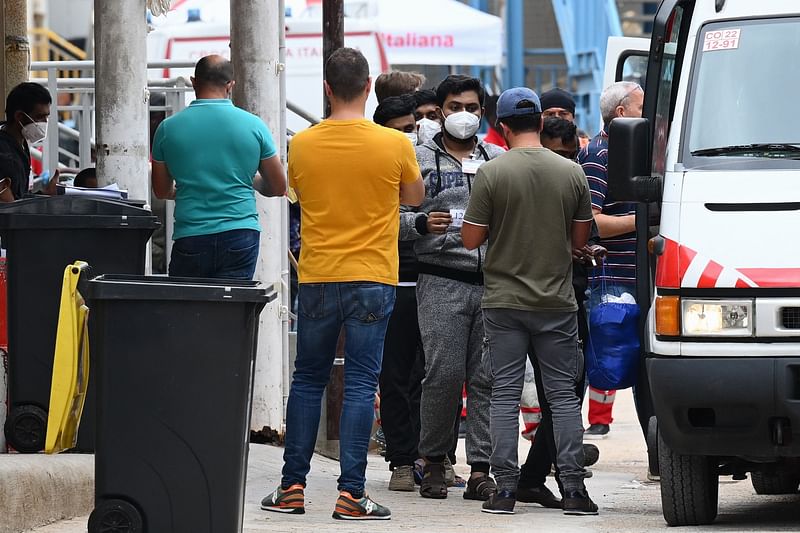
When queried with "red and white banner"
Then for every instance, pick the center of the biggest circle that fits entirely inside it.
(415, 32)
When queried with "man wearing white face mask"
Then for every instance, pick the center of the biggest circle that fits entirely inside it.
(27, 111)
(429, 121)
(449, 290)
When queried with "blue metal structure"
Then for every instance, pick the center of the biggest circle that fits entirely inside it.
(484, 74)
(514, 75)
(585, 26)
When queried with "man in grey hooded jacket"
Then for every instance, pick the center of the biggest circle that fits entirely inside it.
(449, 290)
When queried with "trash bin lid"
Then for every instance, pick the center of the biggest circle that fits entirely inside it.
(74, 212)
(128, 287)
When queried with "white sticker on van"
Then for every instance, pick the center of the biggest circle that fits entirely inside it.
(721, 40)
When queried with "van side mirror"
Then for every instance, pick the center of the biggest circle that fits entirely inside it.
(629, 177)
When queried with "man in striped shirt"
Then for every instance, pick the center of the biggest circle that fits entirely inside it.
(617, 224)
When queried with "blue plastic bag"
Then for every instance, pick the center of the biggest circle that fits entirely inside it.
(612, 357)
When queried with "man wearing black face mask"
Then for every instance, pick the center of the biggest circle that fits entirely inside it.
(449, 290)
(27, 111)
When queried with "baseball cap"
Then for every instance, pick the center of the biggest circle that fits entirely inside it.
(508, 105)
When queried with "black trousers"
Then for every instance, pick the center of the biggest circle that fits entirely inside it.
(400, 381)
(543, 450)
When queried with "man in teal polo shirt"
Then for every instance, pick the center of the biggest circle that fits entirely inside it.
(206, 158)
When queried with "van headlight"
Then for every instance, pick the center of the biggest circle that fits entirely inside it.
(725, 318)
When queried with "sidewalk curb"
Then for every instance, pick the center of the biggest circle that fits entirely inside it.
(36, 490)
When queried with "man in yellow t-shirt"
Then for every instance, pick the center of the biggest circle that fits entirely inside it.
(350, 176)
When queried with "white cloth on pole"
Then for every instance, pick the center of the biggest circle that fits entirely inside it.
(159, 7)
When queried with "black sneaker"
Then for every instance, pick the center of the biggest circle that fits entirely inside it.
(577, 502)
(501, 502)
(591, 454)
(540, 495)
(596, 432)
(480, 488)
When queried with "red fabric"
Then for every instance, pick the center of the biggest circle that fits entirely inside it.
(37, 167)
(493, 137)
(3, 309)
(600, 412)
(531, 419)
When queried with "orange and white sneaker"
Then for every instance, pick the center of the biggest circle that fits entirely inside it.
(289, 501)
(350, 508)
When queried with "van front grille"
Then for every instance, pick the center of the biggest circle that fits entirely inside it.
(791, 317)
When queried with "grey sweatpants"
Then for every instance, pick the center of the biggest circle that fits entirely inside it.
(451, 325)
(552, 338)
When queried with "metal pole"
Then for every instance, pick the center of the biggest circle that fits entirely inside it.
(122, 97)
(3, 91)
(51, 143)
(285, 273)
(17, 47)
(482, 5)
(515, 20)
(255, 42)
(332, 35)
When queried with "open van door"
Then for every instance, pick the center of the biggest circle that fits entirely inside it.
(626, 60)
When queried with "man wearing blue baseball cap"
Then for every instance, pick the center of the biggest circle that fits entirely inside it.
(535, 208)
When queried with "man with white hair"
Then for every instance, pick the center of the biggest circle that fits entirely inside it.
(616, 222)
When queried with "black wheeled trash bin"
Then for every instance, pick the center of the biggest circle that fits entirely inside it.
(174, 363)
(42, 236)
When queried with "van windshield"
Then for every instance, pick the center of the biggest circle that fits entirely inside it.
(745, 101)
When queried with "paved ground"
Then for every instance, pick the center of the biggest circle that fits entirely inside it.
(627, 502)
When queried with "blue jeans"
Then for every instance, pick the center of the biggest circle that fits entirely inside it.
(364, 310)
(228, 255)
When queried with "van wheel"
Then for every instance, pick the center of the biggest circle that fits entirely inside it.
(689, 487)
(776, 481)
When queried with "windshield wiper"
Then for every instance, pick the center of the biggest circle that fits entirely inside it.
(758, 149)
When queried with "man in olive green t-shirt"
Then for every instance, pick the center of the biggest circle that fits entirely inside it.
(534, 207)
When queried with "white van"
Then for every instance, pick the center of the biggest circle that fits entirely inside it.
(717, 153)
(193, 40)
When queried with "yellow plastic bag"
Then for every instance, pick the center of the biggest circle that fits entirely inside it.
(70, 365)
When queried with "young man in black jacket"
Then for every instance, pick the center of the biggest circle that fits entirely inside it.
(27, 112)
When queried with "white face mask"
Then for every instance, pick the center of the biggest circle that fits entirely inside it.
(413, 137)
(427, 129)
(35, 131)
(462, 125)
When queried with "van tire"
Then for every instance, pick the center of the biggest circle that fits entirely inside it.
(771, 481)
(689, 487)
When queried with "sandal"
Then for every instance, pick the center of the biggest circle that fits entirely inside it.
(433, 484)
(480, 488)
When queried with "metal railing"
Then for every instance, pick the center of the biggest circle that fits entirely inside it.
(75, 122)
(47, 45)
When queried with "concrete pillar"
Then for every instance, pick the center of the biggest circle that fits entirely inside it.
(122, 120)
(17, 48)
(256, 29)
(14, 69)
